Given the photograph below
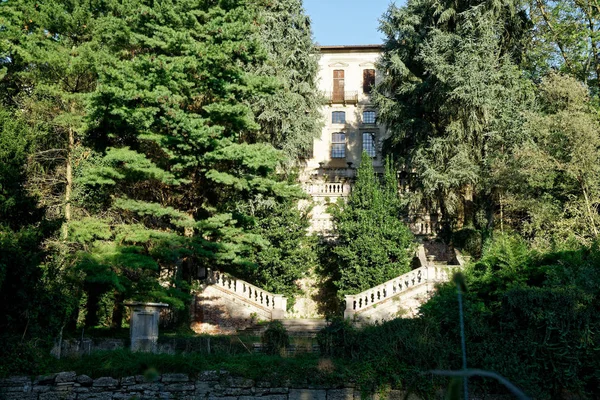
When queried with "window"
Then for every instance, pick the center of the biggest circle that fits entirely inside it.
(338, 145)
(338, 86)
(368, 117)
(338, 117)
(368, 140)
(368, 80)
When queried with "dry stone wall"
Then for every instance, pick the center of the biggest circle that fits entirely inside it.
(209, 385)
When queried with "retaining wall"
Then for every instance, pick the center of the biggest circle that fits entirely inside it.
(209, 385)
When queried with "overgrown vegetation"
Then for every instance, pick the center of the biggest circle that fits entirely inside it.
(373, 244)
(141, 142)
(154, 135)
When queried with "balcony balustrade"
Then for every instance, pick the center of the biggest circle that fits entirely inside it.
(346, 97)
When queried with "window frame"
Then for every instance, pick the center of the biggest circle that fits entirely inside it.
(338, 148)
(369, 112)
(338, 113)
(370, 148)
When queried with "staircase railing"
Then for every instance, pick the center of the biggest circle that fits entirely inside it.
(276, 304)
(428, 273)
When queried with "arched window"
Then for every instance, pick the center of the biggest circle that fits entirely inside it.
(338, 117)
(338, 145)
(368, 144)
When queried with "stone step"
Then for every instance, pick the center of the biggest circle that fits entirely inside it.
(294, 327)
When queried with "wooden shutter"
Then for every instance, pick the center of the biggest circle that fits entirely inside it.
(338, 85)
(368, 80)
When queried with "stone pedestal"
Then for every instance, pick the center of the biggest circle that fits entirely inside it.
(143, 326)
(280, 304)
(349, 311)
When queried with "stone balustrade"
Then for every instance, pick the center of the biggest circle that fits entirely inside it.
(330, 189)
(275, 304)
(427, 274)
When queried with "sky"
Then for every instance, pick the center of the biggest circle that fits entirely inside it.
(347, 21)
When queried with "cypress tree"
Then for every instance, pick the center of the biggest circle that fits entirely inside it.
(373, 243)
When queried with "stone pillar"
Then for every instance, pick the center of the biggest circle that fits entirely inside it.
(280, 307)
(143, 326)
(349, 311)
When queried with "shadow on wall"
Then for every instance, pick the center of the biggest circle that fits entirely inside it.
(215, 313)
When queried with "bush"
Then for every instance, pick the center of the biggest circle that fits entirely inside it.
(469, 241)
(275, 339)
(338, 339)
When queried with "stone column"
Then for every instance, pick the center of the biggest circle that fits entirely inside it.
(279, 307)
(143, 326)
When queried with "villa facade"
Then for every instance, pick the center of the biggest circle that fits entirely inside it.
(347, 75)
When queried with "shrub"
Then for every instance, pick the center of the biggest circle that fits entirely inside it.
(338, 339)
(275, 339)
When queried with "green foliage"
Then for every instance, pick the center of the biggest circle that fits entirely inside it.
(288, 253)
(529, 316)
(156, 128)
(338, 339)
(275, 339)
(28, 279)
(373, 244)
(566, 38)
(555, 180)
(469, 241)
(290, 116)
(23, 357)
(452, 97)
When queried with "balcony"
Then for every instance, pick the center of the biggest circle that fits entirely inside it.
(347, 97)
(327, 189)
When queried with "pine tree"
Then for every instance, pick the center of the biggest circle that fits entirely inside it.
(174, 162)
(373, 245)
(290, 116)
(452, 98)
(290, 252)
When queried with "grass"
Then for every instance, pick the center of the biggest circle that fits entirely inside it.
(122, 363)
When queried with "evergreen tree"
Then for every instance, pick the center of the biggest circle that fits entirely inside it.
(47, 58)
(289, 117)
(373, 243)
(172, 138)
(28, 281)
(290, 252)
(452, 98)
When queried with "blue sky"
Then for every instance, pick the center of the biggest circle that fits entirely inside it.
(346, 21)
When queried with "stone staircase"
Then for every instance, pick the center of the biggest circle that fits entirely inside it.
(403, 295)
(232, 306)
(307, 328)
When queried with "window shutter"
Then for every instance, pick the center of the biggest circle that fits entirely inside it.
(368, 80)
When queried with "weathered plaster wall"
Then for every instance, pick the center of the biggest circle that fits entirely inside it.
(209, 385)
(352, 62)
(218, 312)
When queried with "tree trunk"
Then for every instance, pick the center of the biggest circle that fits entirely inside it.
(468, 207)
(69, 178)
(117, 312)
(92, 306)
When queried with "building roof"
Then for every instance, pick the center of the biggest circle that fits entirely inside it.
(351, 48)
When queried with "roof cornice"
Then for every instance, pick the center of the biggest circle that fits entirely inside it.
(351, 48)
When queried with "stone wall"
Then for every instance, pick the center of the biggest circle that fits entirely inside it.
(215, 311)
(209, 385)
